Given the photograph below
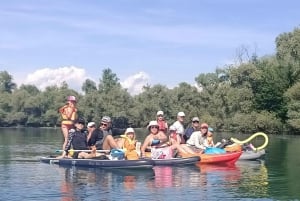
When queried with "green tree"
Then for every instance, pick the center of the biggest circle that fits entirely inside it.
(6, 84)
(89, 86)
(109, 80)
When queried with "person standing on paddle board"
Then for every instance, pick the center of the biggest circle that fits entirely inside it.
(68, 114)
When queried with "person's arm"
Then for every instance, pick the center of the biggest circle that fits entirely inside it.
(93, 138)
(144, 146)
(199, 141)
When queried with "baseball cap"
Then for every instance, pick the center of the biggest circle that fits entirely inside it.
(160, 113)
(195, 119)
(204, 125)
(172, 128)
(129, 130)
(91, 124)
(181, 114)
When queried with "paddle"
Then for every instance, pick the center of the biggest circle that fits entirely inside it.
(78, 150)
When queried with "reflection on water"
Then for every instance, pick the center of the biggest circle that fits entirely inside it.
(82, 183)
(23, 177)
(255, 181)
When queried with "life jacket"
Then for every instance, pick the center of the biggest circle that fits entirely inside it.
(162, 125)
(129, 147)
(68, 114)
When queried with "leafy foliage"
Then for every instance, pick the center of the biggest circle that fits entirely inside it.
(258, 94)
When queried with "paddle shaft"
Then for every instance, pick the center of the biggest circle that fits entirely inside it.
(78, 150)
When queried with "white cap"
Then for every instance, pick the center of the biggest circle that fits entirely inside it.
(172, 128)
(129, 130)
(181, 114)
(152, 123)
(90, 124)
(160, 113)
(195, 119)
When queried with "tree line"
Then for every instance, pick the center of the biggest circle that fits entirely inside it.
(255, 94)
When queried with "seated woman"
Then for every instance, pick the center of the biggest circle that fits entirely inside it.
(199, 140)
(157, 143)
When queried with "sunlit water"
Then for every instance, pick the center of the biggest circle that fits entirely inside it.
(23, 177)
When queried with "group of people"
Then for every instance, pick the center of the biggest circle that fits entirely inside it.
(161, 142)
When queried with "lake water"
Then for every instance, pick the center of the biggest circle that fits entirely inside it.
(23, 177)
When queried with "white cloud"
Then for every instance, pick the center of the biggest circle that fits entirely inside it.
(75, 77)
(72, 75)
(135, 83)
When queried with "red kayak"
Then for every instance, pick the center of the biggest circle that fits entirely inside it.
(224, 158)
(227, 158)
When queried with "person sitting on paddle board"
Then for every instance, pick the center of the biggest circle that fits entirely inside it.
(129, 144)
(153, 139)
(77, 139)
(157, 143)
(102, 137)
(68, 114)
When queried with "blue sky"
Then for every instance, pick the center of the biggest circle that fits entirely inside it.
(142, 41)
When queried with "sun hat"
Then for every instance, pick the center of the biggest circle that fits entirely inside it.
(106, 119)
(91, 124)
(159, 113)
(181, 114)
(129, 130)
(152, 123)
(195, 119)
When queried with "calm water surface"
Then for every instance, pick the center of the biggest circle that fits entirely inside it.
(23, 177)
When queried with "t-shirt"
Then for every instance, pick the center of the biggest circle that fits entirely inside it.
(179, 127)
(196, 140)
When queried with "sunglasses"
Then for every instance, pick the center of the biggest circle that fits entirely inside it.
(160, 115)
(154, 127)
(204, 128)
(102, 124)
(195, 121)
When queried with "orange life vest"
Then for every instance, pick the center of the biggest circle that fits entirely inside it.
(162, 125)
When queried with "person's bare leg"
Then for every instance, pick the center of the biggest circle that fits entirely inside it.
(179, 148)
(65, 132)
(187, 149)
(109, 143)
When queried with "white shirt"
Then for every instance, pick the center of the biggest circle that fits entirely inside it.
(196, 140)
(179, 127)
